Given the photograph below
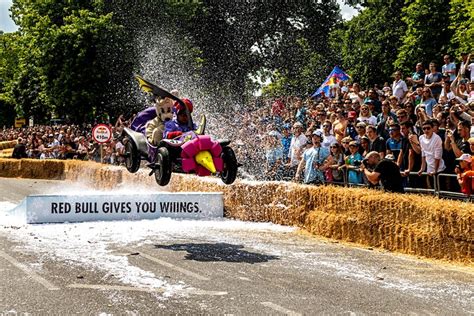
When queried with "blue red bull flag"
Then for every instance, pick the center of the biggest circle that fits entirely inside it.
(336, 75)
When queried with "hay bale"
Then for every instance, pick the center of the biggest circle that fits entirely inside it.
(420, 225)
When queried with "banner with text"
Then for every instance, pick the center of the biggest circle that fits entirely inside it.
(104, 207)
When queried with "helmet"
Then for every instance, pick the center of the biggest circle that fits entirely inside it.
(178, 107)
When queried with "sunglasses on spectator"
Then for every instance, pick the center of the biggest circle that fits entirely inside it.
(360, 126)
(426, 128)
(336, 146)
(326, 125)
(345, 143)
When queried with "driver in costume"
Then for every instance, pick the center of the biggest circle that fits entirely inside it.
(180, 123)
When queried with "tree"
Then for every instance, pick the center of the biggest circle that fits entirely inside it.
(369, 42)
(8, 62)
(59, 68)
(428, 34)
(462, 26)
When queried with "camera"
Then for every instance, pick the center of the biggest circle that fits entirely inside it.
(357, 163)
(365, 162)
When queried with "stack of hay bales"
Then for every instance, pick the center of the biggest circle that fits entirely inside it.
(407, 223)
(6, 148)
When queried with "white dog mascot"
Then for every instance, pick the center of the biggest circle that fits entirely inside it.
(164, 113)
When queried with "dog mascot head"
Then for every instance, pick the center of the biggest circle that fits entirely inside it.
(164, 107)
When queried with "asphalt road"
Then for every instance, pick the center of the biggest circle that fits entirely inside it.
(218, 268)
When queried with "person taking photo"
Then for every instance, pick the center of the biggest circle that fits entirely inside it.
(384, 171)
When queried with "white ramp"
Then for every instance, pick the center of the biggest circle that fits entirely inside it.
(106, 207)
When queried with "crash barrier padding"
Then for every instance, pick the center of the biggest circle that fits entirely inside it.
(413, 224)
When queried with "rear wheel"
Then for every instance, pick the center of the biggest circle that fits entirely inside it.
(229, 173)
(132, 157)
(163, 167)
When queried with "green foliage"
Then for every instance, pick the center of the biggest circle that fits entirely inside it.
(368, 43)
(8, 67)
(427, 37)
(462, 24)
(77, 58)
(59, 71)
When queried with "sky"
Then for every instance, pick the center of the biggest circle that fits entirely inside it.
(7, 25)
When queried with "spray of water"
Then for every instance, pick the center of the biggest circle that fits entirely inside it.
(166, 60)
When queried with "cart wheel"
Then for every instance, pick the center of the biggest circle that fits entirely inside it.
(163, 170)
(132, 157)
(229, 173)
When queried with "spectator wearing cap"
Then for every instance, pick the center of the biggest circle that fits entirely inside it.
(351, 122)
(298, 142)
(314, 161)
(394, 142)
(372, 100)
(399, 87)
(352, 164)
(384, 170)
(465, 174)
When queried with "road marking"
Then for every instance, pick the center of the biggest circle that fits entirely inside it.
(114, 287)
(170, 265)
(280, 309)
(48, 285)
(205, 292)
(192, 291)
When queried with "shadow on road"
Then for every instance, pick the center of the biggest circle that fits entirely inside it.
(218, 252)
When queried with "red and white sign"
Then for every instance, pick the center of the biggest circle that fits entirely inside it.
(102, 133)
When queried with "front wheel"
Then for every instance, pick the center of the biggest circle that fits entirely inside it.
(229, 173)
(163, 170)
(132, 157)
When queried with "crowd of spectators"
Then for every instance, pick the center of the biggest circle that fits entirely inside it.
(421, 123)
(63, 141)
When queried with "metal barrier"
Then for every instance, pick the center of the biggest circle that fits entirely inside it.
(434, 181)
(452, 194)
(433, 190)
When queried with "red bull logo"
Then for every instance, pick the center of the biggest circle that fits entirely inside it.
(102, 133)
